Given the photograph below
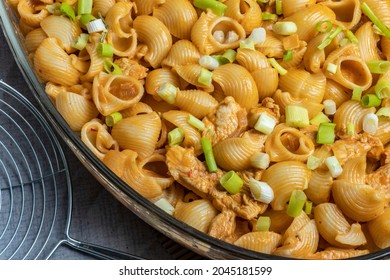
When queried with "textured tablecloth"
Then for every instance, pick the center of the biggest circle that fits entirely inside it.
(97, 217)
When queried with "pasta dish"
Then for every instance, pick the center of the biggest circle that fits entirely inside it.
(265, 124)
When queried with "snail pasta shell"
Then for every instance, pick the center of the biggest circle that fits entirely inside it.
(251, 59)
(307, 18)
(139, 133)
(280, 221)
(158, 77)
(96, 62)
(190, 73)
(208, 23)
(75, 109)
(335, 229)
(267, 81)
(96, 137)
(272, 46)
(145, 7)
(380, 8)
(261, 241)
(234, 80)
(178, 16)
(113, 93)
(101, 7)
(196, 102)
(246, 12)
(314, 58)
(53, 64)
(367, 42)
(358, 201)
(292, 175)
(379, 229)
(119, 19)
(291, 7)
(63, 29)
(198, 214)
(288, 143)
(354, 170)
(351, 71)
(123, 46)
(348, 12)
(383, 131)
(320, 186)
(27, 11)
(235, 153)
(336, 92)
(182, 52)
(33, 39)
(156, 36)
(297, 58)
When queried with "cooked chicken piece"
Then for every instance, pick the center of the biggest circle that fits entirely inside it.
(337, 254)
(385, 159)
(355, 146)
(380, 180)
(228, 120)
(189, 171)
(223, 225)
(267, 106)
(130, 67)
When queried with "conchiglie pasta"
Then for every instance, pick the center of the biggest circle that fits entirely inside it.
(367, 42)
(101, 7)
(379, 229)
(262, 241)
(157, 78)
(30, 15)
(34, 38)
(347, 12)
(291, 7)
(320, 186)
(246, 12)
(145, 7)
(119, 19)
(182, 52)
(197, 102)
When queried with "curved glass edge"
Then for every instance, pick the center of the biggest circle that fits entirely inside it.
(181, 233)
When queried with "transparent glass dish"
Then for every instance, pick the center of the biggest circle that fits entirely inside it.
(181, 233)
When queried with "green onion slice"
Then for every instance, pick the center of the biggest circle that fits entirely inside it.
(67, 10)
(175, 137)
(288, 55)
(206, 77)
(217, 7)
(111, 68)
(350, 129)
(326, 133)
(382, 88)
(370, 100)
(81, 41)
(308, 207)
(334, 166)
(378, 66)
(209, 155)
(263, 223)
(351, 37)
(230, 55)
(375, 20)
(231, 182)
(85, 19)
(195, 122)
(279, 7)
(84, 7)
(265, 123)
(324, 26)
(167, 92)
(320, 118)
(268, 16)
(296, 203)
(277, 66)
(248, 43)
(357, 93)
(285, 28)
(260, 160)
(113, 118)
(297, 116)
(383, 112)
(330, 38)
(313, 162)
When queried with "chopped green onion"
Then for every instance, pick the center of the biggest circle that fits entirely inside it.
(205, 77)
(265, 124)
(350, 129)
(308, 207)
(230, 55)
(167, 92)
(296, 203)
(334, 166)
(85, 19)
(111, 68)
(383, 112)
(331, 68)
(260, 160)
(288, 55)
(113, 118)
(96, 25)
(268, 16)
(370, 100)
(357, 93)
(217, 7)
(209, 62)
(209, 155)
(277, 66)
(285, 28)
(351, 37)
(378, 66)
(375, 20)
(195, 122)
(263, 223)
(279, 7)
(231, 182)
(330, 38)
(67, 10)
(324, 26)
(84, 7)
(370, 123)
(313, 162)
(105, 50)
(248, 43)
(343, 42)
(261, 191)
(165, 205)
(382, 88)
(326, 133)
(258, 35)
(319, 118)
(81, 41)
(297, 116)
(221, 59)
(175, 137)
(329, 106)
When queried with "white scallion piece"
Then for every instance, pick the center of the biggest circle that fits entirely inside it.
(313, 162)
(331, 68)
(261, 191)
(285, 28)
(329, 107)
(167, 92)
(209, 62)
(258, 35)
(219, 36)
(231, 37)
(265, 123)
(260, 160)
(370, 123)
(165, 205)
(96, 25)
(334, 166)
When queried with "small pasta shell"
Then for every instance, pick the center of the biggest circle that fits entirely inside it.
(96, 62)
(320, 186)
(379, 229)
(252, 60)
(354, 170)
(101, 7)
(367, 42)
(197, 102)
(190, 73)
(33, 39)
(159, 77)
(261, 241)
(28, 12)
(336, 92)
(75, 109)
(145, 7)
(267, 81)
(139, 133)
(198, 214)
(314, 58)
(182, 52)
(119, 19)
(291, 7)
(348, 12)
(246, 12)
(123, 46)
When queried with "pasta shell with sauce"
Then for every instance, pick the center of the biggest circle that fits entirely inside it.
(261, 241)
(183, 52)
(30, 14)
(246, 12)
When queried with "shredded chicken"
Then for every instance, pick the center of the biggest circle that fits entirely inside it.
(337, 254)
(228, 120)
(223, 225)
(189, 171)
(380, 181)
(132, 68)
(268, 106)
